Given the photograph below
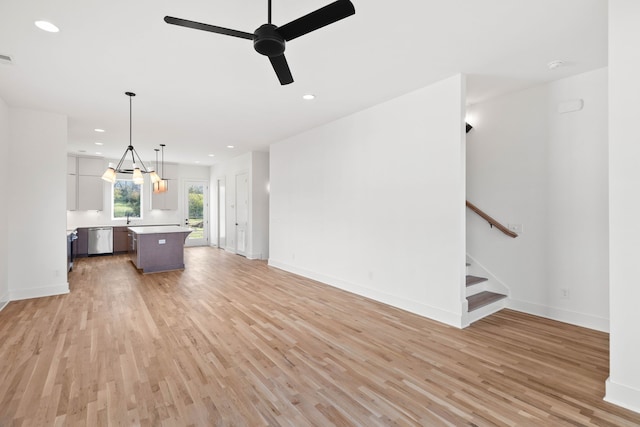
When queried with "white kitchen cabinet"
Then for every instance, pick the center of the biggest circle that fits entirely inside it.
(90, 192)
(168, 200)
(85, 187)
(72, 183)
(72, 165)
(91, 166)
(72, 192)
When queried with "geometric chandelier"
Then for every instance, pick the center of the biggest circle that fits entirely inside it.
(138, 166)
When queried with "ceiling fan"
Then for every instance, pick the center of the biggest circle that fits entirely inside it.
(269, 39)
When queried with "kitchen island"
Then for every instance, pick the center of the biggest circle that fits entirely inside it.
(154, 249)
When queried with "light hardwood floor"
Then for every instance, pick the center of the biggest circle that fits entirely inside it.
(233, 342)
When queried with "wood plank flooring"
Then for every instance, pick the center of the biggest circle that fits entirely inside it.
(233, 342)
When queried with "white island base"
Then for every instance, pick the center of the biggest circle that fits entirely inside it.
(155, 249)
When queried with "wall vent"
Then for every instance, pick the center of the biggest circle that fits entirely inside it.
(5, 59)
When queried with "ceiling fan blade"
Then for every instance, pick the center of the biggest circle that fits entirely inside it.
(326, 15)
(207, 27)
(281, 68)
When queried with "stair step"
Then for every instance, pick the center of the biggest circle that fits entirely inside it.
(483, 298)
(474, 280)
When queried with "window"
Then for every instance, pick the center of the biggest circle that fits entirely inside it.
(126, 199)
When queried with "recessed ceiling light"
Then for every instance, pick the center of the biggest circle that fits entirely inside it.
(211, 155)
(99, 130)
(229, 146)
(99, 143)
(308, 97)
(47, 26)
(197, 161)
(98, 153)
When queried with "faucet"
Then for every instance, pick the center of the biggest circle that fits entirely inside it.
(128, 219)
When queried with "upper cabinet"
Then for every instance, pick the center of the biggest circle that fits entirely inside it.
(169, 199)
(72, 165)
(91, 166)
(72, 192)
(85, 187)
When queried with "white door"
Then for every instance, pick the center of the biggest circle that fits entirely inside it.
(242, 212)
(196, 207)
(222, 217)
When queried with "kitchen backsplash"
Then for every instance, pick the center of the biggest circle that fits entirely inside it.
(90, 218)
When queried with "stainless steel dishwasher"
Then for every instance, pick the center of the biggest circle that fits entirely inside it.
(100, 240)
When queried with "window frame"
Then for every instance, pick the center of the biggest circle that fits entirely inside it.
(113, 187)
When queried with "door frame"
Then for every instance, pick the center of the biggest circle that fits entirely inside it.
(204, 241)
(221, 218)
(244, 174)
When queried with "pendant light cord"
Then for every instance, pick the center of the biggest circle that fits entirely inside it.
(130, 126)
(269, 12)
(162, 164)
(134, 153)
(130, 120)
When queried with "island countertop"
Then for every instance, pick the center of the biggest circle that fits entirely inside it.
(160, 229)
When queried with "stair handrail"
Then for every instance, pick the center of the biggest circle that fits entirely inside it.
(491, 220)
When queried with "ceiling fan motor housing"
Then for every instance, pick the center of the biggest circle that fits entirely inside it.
(267, 41)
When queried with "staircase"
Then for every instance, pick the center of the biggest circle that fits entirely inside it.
(483, 297)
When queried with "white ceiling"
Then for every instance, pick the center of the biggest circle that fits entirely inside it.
(198, 92)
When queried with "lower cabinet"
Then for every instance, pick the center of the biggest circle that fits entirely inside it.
(132, 242)
(82, 242)
(120, 240)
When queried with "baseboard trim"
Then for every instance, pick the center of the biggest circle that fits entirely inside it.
(566, 316)
(3, 304)
(433, 313)
(622, 395)
(44, 291)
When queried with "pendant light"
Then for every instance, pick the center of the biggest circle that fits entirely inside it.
(154, 176)
(161, 185)
(138, 166)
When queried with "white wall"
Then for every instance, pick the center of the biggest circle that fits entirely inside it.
(259, 205)
(527, 164)
(374, 202)
(256, 165)
(37, 204)
(623, 385)
(149, 216)
(5, 185)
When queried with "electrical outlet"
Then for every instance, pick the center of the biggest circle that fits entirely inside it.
(564, 293)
